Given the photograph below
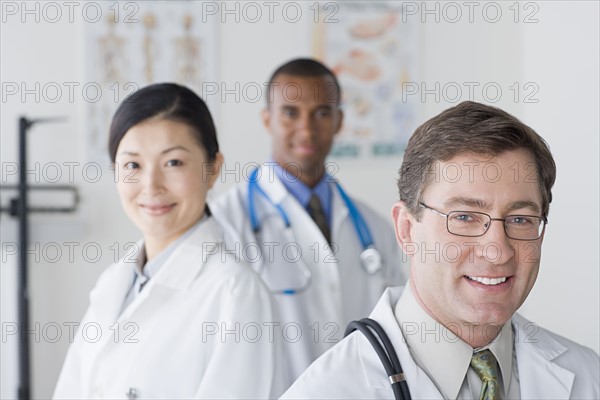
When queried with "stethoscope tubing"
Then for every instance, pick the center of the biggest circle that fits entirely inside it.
(253, 186)
(360, 226)
(386, 354)
(362, 230)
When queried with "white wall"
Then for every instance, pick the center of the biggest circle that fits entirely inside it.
(559, 54)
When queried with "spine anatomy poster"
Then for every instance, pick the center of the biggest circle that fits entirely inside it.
(138, 43)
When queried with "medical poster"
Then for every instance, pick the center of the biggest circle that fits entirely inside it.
(134, 44)
(374, 53)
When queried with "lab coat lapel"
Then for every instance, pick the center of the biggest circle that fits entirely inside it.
(182, 268)
(539, 376)
(307, 235)
(419, 384)
(106, 299)
(274, 189)
(339, 213)
(179, 271)
(271, 185)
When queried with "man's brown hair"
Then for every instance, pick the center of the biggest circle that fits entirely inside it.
(470, 127)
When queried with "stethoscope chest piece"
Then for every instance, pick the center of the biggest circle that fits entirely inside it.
(371, 260)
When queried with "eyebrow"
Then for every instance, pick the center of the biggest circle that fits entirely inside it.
(133, 153)
(467, 201)
(524, 204)
(478, 203)
(327, 106)
(174, 148)
(128, 153)
(321, 107)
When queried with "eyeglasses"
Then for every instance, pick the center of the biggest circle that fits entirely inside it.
(473, 224)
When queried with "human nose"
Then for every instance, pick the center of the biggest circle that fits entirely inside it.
(153, 181)
(305, 124)
(495, 246)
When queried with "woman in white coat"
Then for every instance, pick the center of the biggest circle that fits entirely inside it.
(171, 320)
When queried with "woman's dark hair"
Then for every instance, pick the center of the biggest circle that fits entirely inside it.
(164, 101)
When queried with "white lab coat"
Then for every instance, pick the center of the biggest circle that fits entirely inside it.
(549, 366)
(341, 289)
(191, 332)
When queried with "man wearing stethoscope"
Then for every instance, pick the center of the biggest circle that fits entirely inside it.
(326, 257)
(453, 332)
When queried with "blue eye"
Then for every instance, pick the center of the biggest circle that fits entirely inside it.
(464, 217)
(519, 220)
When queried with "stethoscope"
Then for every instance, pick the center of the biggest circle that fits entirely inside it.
(386, 354)
(370, 257)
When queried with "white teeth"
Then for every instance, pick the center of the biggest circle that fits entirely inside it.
(487, 281)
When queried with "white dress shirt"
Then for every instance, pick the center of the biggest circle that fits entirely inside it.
(446, 358)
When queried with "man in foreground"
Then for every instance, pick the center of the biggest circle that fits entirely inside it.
(475, 189)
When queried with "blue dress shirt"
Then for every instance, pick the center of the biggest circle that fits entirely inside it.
(302, 193)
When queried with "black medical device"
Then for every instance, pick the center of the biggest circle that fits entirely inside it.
(386, 354)
(19, 207)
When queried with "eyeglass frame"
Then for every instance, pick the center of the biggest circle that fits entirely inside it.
(542, 219)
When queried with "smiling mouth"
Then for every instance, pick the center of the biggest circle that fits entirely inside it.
(306, 150)
(157, 209)
(487, 281)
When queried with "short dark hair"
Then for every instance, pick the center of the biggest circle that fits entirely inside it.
(470, 127)
(304, 67)
(165, 101)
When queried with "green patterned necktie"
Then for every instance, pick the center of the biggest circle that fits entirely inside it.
(484, 363)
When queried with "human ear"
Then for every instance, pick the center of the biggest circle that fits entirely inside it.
(215, 169)
(403, 222)
(340, 121)
(265, 115)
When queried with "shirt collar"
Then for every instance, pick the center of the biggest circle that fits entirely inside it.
(147, 269)
(440, 353)
(301, 192)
